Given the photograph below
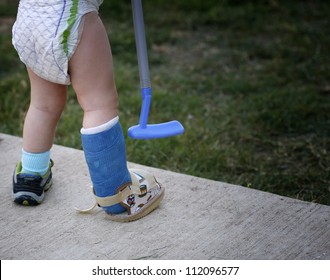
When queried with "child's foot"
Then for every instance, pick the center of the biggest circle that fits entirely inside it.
(29, 189)
(139, 198)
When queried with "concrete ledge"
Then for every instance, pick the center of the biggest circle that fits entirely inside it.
(198, 219)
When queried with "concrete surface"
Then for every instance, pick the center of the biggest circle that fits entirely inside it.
(198, 219)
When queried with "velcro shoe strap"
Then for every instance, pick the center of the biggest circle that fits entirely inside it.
(146, 175)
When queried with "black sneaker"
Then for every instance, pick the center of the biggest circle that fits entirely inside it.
(30, 189)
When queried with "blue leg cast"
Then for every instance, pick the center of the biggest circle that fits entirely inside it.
(105, 154)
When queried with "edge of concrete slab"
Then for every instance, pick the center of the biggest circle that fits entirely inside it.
(198, 219)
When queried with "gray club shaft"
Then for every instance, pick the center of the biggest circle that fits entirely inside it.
(141, 45)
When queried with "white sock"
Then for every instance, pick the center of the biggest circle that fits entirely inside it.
(100, 128)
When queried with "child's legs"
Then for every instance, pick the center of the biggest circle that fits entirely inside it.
(46, 105)
(92, 76)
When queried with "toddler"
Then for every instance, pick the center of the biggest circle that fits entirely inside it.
(64, 42)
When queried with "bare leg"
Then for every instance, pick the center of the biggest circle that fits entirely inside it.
(47, 103)
(92, 76)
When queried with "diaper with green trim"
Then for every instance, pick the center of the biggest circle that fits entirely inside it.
(46, 35)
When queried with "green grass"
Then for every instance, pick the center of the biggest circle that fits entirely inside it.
(249, 80)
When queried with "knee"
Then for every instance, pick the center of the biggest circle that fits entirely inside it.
(52, 109)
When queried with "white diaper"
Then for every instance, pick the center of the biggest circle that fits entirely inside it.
(46, 34)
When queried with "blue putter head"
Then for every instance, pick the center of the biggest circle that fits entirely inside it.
(152, 131)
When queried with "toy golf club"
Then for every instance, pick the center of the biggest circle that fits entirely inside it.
(144, 130)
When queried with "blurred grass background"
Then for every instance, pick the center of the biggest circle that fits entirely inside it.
(249, 80)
